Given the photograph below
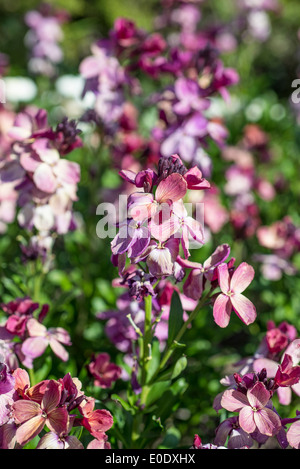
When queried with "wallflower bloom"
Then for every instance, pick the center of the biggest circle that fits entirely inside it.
(98, 421)
(195, 282)
(254, 411)
(40, 338)
(231, 296)
(32, 416)
(104, 372)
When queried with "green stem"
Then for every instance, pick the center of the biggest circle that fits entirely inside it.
(169, 351)
(147, 336)
(31, 376)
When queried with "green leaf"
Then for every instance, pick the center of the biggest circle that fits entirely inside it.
(156, 391)
(180, 365)
(123, 403)
(175, 317)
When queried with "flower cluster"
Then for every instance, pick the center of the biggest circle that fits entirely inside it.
(157, 219)
(274, 368)
(283, 239)
(28, 410)
(183, 125)
(38, 178)
(23, 337)
(43, 39)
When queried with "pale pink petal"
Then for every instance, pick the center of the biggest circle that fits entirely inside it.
(163, 225)
(44, 179)
(25, 410)
(139, 206)
(50, 441)
(67, 172)
(246, 420)
(284, 396)
(47, 155)
(242, 277)
(35, 328)
(30, 429)
(294, 351)
(258, 396)
(195, 229)
(222, 310)
(293, 435)
(29, 162)
(267, 422)
(223, 276)
(58, 349)
(270, 365)
(233, 400)
(172, 188)
(34, 347)
(244, 308)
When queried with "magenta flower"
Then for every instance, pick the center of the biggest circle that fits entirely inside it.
(40, 338)
(231, 296)
(254, 409)
(104, 372)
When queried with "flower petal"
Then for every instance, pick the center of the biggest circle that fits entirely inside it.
(223, 276)
(30, 429)
(172, 188)
(293, 435)
(222, 310)
(233, 400)
(244, 308)
(246, 420)
(258, 396)
(267, 422)
(242, 277)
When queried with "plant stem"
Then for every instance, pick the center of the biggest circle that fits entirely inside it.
(147, 335)
(169, 351)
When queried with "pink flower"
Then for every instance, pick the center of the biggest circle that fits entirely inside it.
(53, 441)
(253, 408)
(272, 367)
(40, 338)
(98, 421)
(195, 282)
(103, 371)
(99, 444)
(190, 228)
(231, 296)
(169, 190)
(32, 417)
